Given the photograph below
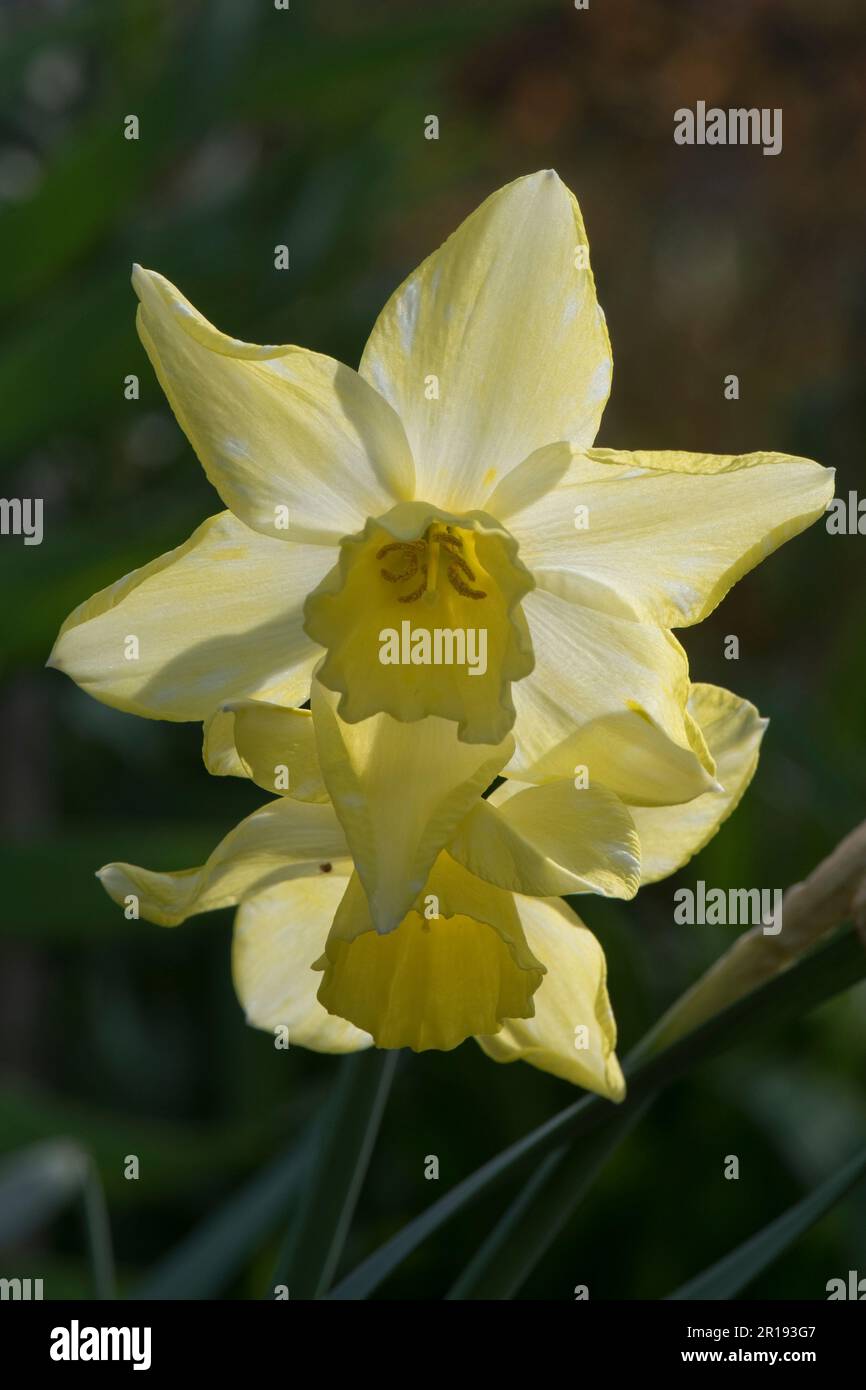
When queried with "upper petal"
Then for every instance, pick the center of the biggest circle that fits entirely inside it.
(504, 316)
(670, 835)
(297, 444)
(573, 1032)
(284, 839)
(278, 934)
(217, 619)
(400, 790)
(665, 534)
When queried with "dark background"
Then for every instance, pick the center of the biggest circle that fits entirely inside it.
(261, 127)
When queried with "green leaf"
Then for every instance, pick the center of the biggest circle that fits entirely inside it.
(202, 1265)
(336, 1172)
(837, 965)
(35, 1183)
(538, 1214)
(731, 1274)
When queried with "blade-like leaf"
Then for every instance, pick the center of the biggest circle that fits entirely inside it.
(835, 966)
(538, 1214)
(97, 1230)
(338, 1165)
(731, 1274)
(207, 1259)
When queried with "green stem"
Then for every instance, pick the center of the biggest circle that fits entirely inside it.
(835, 966)
(335, 1174)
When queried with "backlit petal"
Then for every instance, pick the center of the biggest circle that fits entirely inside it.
(609, 694)
(400, 791)
(217, 619)
(272, 744)
(278, 934)
(496, 344)
(670, 835)
(551, 840)
(573, 1032)
(666, 534)
(298, 445)
(285, 839)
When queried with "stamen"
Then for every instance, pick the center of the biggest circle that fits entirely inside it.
(404, 574)
(411, 550)
(411, 553)
(462, 587)
(460, 584)
(448, 539)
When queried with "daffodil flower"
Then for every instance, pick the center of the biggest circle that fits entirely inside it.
(485, 948)
(450, 485)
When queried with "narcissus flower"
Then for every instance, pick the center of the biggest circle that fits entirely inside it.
(447, 488)
(479, 591)
(485, 949)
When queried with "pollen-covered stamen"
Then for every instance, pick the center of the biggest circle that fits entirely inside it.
(423, 555)
(459, 583)
(410, 550)
(416, 593)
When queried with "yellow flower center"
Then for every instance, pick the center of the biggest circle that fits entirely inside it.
(421, 557)
(422, 617)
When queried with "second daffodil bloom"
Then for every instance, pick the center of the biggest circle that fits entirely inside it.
(485, 949)
(478, 589)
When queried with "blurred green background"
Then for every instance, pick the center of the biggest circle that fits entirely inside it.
(306, 127)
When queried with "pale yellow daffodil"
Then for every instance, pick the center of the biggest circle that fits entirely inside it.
(448, 486)
(485, 949)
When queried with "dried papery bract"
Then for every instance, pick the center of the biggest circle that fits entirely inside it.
(834, 893)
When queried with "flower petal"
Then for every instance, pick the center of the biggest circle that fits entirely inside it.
(505, 317)
(573, 1032)
(278, 934)
(275, 427)
(217, 619)
(670, 835)
(285, 839)
(400, 790)
(273, 745)
(551, 840)
(608, 694)
(530, 481)
(666, 533)
(435, 980)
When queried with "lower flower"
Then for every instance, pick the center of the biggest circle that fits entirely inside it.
(485, 949)
(524, 977)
